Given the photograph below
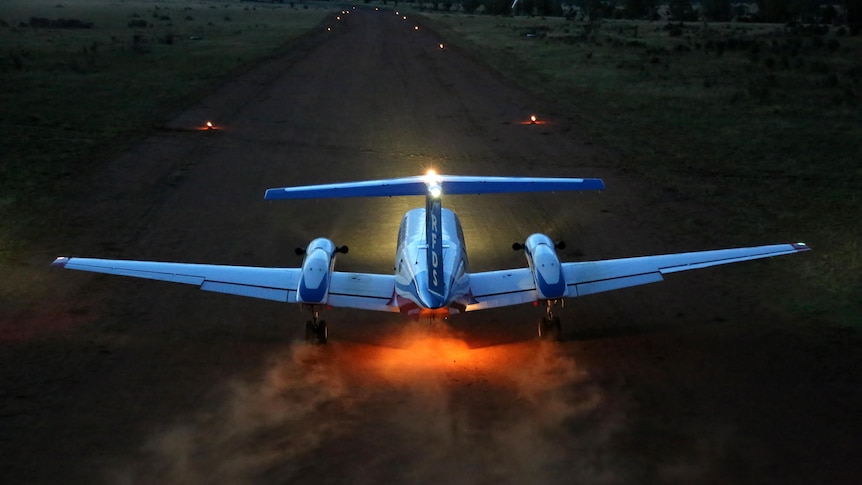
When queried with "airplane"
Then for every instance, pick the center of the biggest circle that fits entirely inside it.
(431, 278)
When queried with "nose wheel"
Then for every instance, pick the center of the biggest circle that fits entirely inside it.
(550, 327)
(315, 330)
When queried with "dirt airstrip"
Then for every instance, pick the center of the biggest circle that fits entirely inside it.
(698, 379)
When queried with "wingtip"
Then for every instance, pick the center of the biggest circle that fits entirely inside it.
(800, 246)
(60, 262)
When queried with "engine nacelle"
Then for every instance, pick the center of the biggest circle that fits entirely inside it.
(546, 268)
(313, 287)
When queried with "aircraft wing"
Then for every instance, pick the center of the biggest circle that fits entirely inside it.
(510, 287)
(362, 290)
(492, 289)
(351, 290)
(277, 284)
(598, 276)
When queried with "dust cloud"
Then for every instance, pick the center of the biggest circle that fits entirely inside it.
(422, 408)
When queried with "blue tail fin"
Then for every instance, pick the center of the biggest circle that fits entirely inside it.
(450, 184)
(434, 242)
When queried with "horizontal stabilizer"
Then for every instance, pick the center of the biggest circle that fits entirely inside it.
(450, 184)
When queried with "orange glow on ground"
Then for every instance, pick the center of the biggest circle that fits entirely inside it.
(429, 356)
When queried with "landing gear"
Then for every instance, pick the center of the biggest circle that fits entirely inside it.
(315, 331)
(550, 327)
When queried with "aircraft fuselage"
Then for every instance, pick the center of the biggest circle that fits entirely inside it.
(413, 273)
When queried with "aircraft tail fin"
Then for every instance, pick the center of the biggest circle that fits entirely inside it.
(434, 243)
(449, 184)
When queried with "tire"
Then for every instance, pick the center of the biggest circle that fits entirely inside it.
(322, 332)
(556, 329)
(550, 329)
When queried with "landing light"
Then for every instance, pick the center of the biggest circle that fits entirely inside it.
(432, 181)
(416, 28)
(441, 46)
(533, 119)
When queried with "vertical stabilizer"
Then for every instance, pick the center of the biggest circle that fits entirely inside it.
(434, 239)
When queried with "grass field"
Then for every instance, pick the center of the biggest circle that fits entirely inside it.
(755, 129)
(81, 78)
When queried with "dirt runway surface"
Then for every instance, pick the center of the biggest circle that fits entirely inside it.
(698, 379)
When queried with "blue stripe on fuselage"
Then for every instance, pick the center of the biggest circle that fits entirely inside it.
(412, 261)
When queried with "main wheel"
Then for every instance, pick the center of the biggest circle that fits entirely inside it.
(555, 332)
(543, 328)
(550, 329)
(322, 332)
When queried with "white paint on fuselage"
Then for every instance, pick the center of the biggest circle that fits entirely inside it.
(411, 268)
(317, 266)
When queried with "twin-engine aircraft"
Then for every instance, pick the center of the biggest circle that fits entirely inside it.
(431, 278)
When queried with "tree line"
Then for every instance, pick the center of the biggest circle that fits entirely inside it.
(771, 11)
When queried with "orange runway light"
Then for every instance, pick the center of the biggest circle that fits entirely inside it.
(208, 126)
(534, 120)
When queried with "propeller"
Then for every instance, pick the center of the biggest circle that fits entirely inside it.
(518, 246)
(340, 249)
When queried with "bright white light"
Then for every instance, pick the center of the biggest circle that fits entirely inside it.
(435, 191)
(432, 180)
